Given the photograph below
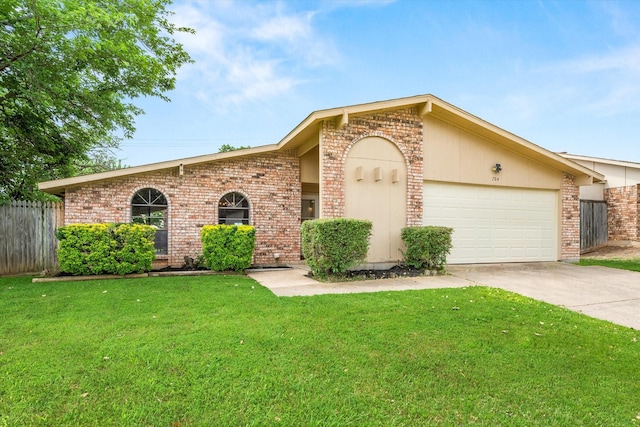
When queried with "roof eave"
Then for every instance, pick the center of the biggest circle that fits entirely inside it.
(602, 160)
(427, 104)
(430, 104)
(58, 186)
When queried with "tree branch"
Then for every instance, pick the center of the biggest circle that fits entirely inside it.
(16, 58)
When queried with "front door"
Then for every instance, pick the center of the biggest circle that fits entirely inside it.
(376, 190)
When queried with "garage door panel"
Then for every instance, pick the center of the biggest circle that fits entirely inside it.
(516, 253)
(532, 252)
(494, 224)
(548, 237)
(500, 215)
(502, 234)
(480, 213)
(484, 234)
(532, 233)
(516, 235)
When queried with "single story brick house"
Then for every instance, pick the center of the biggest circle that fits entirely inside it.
(402, 162)
(620, 191)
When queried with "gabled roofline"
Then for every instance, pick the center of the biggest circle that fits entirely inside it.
(341, 114)
(623, 163)
(57, 186)
(431, 105)
(289, 141)
(425, 104)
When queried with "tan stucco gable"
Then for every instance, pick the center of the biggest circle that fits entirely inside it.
(452, 154)
(484, 130)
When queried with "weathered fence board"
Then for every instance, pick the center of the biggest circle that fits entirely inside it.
(27, 236)
(593, 224)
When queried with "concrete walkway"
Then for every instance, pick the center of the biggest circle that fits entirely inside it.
(294, 282)
(600, 292)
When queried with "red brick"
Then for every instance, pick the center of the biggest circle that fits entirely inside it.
(269, 181)
(623, 212)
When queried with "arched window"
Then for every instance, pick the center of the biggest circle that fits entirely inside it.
(149, 206)
(233, 208)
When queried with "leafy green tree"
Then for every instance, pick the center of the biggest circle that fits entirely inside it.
(69, 72)
(225, 148)
(97, 161)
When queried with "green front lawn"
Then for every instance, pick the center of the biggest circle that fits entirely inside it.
(624, 264)
(224, 351)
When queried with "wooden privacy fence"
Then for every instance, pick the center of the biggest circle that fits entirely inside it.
(27, 236)
(593, 224)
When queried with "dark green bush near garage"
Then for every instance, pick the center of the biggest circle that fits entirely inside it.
(332, 246)
(427, 247)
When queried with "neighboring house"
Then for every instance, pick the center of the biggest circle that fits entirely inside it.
(402, 162)
(620, 191)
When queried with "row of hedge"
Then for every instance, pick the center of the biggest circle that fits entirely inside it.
(87, 249)
(330, 247)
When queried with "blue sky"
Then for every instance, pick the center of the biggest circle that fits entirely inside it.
(562, 74)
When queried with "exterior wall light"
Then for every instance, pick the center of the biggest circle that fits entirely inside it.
(497, 168)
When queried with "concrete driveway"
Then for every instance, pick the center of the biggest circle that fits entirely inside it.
(600, 292)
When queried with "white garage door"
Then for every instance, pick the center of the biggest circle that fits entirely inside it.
(494, 224)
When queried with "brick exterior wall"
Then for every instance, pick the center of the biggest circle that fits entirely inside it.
(402, 127)
(570, 245)
(623, 212)
(270, 182)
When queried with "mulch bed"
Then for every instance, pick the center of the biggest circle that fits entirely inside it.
(397, 271)
(392, 273)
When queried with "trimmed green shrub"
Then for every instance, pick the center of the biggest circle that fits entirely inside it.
(427, 247)
(228, 247)
(87, 249)
(332, 246)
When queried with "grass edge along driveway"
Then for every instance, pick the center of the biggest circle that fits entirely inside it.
(631, 264)
(222, 350)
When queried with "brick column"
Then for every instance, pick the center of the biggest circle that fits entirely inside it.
(570, 245)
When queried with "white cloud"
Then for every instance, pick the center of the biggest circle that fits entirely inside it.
(289, 28)
(599, 84)
(623, 21)
(625, 60)
(248, 52)
(255, 80)
(593, 80)
(609, 81)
